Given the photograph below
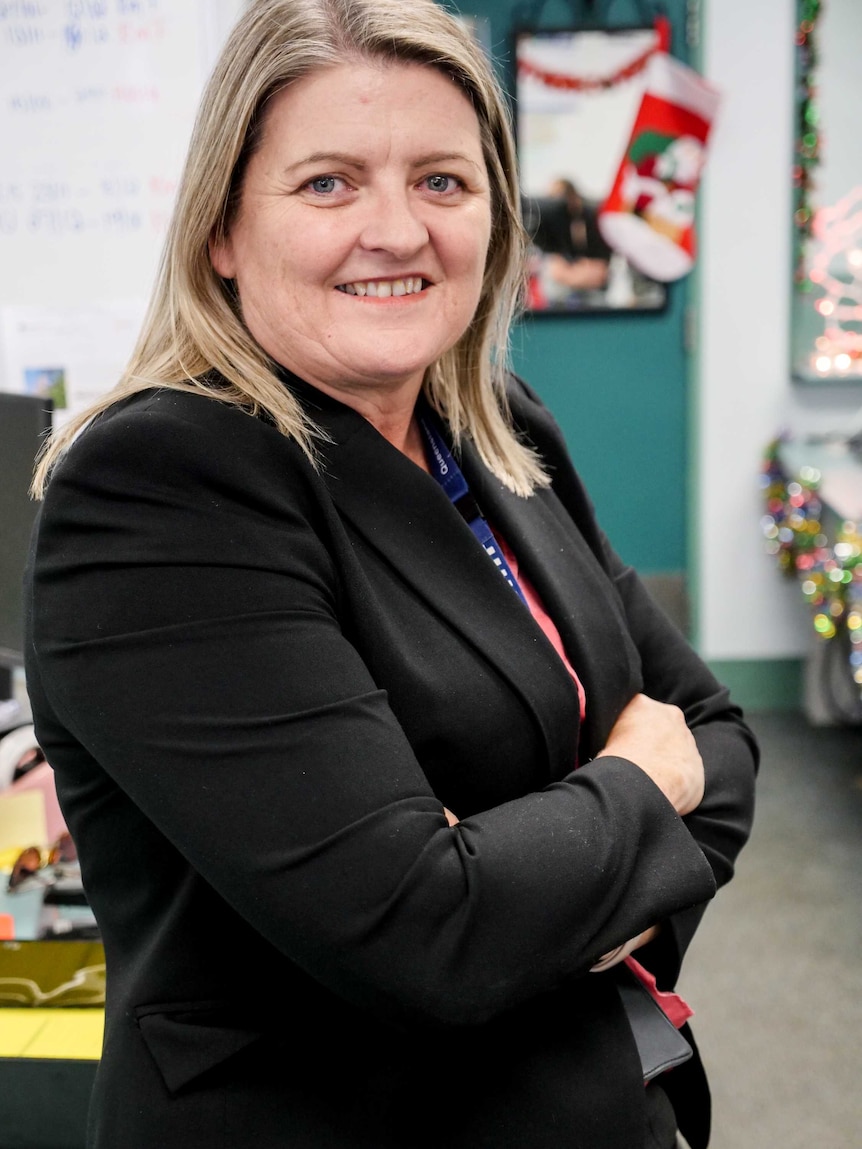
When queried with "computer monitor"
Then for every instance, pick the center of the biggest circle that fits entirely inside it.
(25, 420)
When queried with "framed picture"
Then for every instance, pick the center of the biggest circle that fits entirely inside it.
(577, 97)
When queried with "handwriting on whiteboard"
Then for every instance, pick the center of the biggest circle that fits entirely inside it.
(113, 204)
(97, 99)
(97, 103)
(76, 24)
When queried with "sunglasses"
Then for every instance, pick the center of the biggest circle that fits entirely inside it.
(27, 762)
(28, 868)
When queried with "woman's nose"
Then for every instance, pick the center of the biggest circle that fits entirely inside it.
(394, 226)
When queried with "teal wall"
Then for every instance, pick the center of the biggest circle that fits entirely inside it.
(616, 383)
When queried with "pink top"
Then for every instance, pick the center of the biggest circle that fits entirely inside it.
(542, 617)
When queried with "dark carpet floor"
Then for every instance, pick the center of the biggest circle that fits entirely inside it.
(775, 973)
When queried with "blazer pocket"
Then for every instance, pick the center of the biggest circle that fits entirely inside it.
(188, 1039)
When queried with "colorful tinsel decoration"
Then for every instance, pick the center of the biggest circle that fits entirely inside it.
(808, 139)
(830, 573)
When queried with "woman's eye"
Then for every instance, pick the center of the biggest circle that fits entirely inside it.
(324, 185)
(442, 183)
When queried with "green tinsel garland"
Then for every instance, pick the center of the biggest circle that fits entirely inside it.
(807, 147)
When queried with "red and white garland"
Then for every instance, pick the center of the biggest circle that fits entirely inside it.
(599, 83)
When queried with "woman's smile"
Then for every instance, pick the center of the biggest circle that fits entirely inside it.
(386, 288)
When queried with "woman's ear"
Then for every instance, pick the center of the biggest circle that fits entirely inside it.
(221, 256)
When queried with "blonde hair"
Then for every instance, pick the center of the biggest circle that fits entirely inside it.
(193, 337)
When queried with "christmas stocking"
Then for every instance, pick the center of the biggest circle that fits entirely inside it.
(649, 215)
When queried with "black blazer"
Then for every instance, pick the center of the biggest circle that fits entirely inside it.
(258, 685)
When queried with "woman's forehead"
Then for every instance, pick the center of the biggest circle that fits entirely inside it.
(368, 100)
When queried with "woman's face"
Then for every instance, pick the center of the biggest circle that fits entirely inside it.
(360, 243)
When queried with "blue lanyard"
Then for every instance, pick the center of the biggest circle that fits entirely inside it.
(448, 474)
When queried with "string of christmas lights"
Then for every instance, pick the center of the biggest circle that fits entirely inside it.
(830, 573)
(836, 270)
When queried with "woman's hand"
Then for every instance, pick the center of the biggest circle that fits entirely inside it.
(655, 737)
(614, 957)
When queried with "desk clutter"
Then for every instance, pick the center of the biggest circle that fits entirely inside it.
(50, 948)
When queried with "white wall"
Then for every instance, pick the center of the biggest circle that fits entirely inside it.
(745, 609)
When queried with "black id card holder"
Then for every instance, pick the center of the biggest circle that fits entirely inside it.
(660, 1044)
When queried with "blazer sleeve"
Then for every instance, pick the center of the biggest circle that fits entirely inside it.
(188, 636)
(722, 822)
(674, 673)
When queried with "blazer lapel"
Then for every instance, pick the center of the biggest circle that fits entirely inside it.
(575, 590)
(404, 514)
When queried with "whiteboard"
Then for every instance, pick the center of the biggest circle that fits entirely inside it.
(97, 103)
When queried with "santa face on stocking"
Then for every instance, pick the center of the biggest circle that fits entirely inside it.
(659, 186)
(682, 162)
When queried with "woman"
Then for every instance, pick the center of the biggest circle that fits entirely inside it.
(580, 260)
(318, 757)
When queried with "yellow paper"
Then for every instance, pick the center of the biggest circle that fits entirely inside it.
(22, 821)
(74, 1034)
(18, 1028)
(67, 1034)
